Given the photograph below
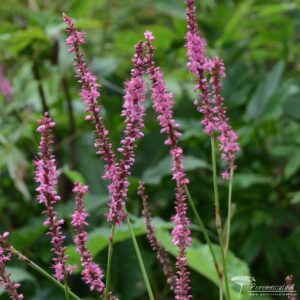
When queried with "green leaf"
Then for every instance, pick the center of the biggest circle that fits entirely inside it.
(295, 197)
(246, 180)
(291, 107)
(292, 166)
(16, 165)
(155, 174)
(234, 23)
(14, 42)
(125, 262)
(170, 7)
(27, 235)
(125, 39)
(105, 65)
(74, 176)
(266, 10)
(98, 238)
(84, 8)
(200, 260)
(264, 92)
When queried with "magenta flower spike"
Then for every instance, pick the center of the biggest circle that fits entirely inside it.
(46, 177)
(194, 43)
(10, 287)
(89, 94)
(163, 106)
(215, 120)
(227, 137)
(91, 273)
(133, 113)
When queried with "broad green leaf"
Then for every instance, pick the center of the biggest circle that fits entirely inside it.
(292, 166)
(85, 8)
(124, 263)
(235, 21)
(14, 42)
(105, 65)
(266, 10)
(26, 236)
(170, 7)
(16, 165)
(291, 107)
(98, 238)
(125, 39)
(155, 174)
(73, 175)
(264, 92)
(246, 180)
(200, 259)
(295, 197)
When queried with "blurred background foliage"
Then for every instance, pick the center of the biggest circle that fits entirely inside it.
(259, 42)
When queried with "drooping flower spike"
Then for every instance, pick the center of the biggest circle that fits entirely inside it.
(163, 106)
(227, 137)
(133, 112)
(89, 94)
(91, 273)
(10, 287)
(215, 120)
(161, 253)
(46, 177)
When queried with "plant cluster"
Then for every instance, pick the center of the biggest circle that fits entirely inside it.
(207, 74)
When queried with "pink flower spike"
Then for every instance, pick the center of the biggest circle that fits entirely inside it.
(89, 94)
(163, 106)
(215, 120)
(5, 281)
(46, 177)
(91, 273)
(133, 113)
(149, 36)
(227, 137)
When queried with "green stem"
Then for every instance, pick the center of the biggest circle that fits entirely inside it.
(140, 259)
(34, 266)
(218, 216)
(220, 289)
(109, 257)
(66, 289)
(229, 211)
(203, 229)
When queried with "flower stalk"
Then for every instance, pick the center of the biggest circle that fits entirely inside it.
(44, 273)
(204, 231)
(229, 213)
(140, 259)
(219, 222)
(109, 259)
